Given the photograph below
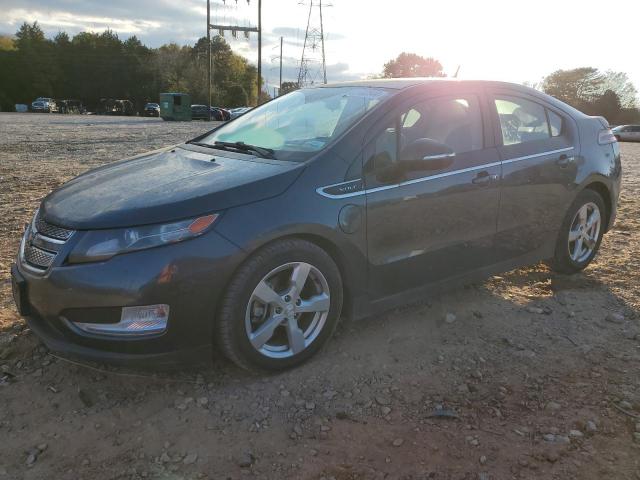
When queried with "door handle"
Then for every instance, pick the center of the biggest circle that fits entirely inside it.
(483, 178)
(564, 161)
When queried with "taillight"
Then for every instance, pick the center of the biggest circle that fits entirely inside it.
(606, 136)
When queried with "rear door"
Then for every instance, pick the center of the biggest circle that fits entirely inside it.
(538, 145)
(424, 226)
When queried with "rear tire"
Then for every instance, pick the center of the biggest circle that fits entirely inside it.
(281, 307)
(580, 234)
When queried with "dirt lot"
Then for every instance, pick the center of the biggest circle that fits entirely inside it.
(535, 375)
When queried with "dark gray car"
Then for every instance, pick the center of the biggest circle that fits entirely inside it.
(346, 199)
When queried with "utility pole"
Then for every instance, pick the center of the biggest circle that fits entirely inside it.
(324, 63)
(234, 29)
(280, 88)
(209, 57)
(259, 50)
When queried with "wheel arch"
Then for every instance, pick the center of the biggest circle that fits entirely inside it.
(348, 272)
(601, 189)
(336, 254)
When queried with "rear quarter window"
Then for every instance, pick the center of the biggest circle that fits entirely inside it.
(555, 123)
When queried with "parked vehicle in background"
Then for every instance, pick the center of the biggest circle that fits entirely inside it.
(110, 106)
(199, 112)
(44, 105)
(627, 133)
(151, 110)
(236, 112)
(39, 106)
(225, 115)
(349, 199)
(71, 106)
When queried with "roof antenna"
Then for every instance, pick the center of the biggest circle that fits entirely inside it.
(455, 75)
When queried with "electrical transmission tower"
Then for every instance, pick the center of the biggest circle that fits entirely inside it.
(313, 66)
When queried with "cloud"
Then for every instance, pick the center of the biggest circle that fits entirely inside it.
(156, 22)
(67, 21)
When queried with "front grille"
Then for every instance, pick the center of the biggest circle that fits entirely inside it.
(37, 257)
(42, 242)
(52, 231)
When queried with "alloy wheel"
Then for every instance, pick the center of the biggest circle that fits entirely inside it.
(287, 310)
(584, 232)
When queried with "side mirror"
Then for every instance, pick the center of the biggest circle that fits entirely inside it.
(426, 154)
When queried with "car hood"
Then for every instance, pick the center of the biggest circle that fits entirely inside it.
(165, 185)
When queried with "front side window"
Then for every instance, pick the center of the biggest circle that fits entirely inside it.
(521, 120)
(453, 121)
(301, 123)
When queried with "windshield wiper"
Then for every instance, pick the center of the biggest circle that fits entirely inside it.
(241, 146)
(200, 144)
(246, 147)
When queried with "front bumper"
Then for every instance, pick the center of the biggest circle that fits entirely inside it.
(189, 276)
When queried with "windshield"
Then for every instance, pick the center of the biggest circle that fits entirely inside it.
(298, 124)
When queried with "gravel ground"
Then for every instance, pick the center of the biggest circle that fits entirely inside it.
(527, 375)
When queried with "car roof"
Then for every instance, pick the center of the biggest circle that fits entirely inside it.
(400, 84)
(403, 83)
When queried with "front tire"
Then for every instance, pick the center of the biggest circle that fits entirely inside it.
(281, 306)
(580, 234)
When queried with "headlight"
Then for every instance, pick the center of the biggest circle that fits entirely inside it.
(100, 245)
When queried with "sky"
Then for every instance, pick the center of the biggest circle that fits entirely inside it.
(518, 41)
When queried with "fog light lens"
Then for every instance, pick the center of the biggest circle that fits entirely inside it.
(134, 321)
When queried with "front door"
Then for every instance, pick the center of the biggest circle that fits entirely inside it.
(539, 149)
(424, 226)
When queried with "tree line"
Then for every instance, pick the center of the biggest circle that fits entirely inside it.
(609, 94)
(94, 66)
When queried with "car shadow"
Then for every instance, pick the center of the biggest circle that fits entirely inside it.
(415, 329)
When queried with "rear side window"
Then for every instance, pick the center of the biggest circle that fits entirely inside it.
(521, 120)
(555, 123)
